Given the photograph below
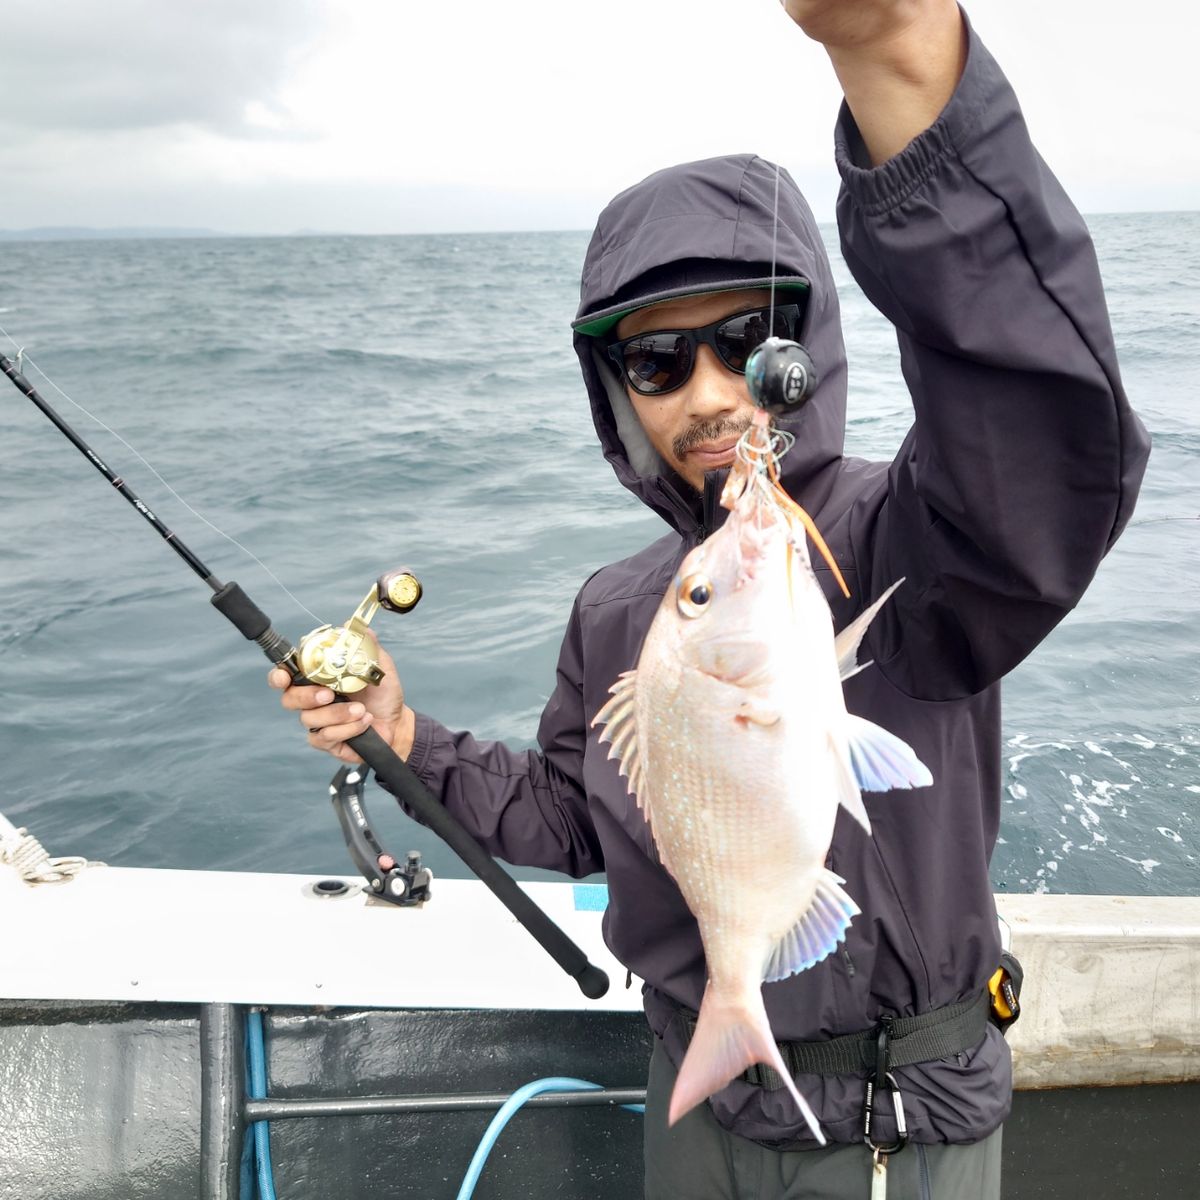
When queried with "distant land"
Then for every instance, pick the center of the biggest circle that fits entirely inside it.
(84, 233)
(80, 233)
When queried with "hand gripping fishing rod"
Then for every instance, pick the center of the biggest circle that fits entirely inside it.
(335, 654)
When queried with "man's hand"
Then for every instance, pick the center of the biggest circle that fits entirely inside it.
(898, 62)
(329, 724)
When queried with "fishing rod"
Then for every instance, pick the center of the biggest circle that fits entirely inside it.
(339, 657)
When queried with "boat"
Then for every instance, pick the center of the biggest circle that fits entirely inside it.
(170, 1033)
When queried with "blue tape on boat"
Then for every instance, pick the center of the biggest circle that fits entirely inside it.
(591, 897)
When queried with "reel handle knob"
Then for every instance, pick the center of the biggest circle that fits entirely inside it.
(399, 590)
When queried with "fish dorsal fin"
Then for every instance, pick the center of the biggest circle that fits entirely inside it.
(882, 761)
(619, 718)
(817, 934)
(849, 794)
(847, 642)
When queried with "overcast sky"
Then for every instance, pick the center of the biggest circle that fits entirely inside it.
(385, 116)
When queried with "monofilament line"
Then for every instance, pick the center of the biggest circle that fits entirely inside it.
(774, 244)
(141, 458)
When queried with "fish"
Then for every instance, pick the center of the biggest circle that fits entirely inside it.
(733, 736)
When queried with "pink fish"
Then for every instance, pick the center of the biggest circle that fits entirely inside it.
(734, 737)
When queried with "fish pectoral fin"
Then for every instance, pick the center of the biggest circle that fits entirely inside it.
(757, 712)
(849, 795)
(619, 718)
(882, 761)
(730, 1037)
(846, 643)
(817, 934)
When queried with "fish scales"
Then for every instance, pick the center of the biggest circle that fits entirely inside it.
(734, 736)
(713, 781)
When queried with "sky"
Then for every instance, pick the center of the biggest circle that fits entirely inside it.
(385, 116)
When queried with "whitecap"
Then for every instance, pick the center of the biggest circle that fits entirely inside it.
(1146, 864)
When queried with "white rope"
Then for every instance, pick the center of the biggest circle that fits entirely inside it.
(22, 851)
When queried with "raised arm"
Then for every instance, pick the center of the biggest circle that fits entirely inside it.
(1025, 458)
(898, 62)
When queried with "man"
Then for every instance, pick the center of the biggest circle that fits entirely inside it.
(1020, 470)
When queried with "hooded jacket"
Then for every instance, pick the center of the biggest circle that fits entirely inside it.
(1019, 471)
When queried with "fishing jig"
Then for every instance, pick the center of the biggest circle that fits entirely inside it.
(781, 376)
(779, 373)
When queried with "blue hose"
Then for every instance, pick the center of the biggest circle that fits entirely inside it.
(510, 1106)
(256, 1087)
(257, 1090)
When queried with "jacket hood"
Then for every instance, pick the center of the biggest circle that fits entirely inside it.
(673, 234)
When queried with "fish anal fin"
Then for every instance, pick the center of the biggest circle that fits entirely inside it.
(880, 760)
(818, 932)
(729, 1037)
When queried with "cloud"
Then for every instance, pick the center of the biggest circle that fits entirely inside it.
(81, 66)
(379, 116)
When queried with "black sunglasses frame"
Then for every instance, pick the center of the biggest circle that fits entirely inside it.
(704, 335)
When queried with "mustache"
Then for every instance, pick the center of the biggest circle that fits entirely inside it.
(707, 431)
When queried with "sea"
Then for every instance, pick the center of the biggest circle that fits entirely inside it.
(345, 405)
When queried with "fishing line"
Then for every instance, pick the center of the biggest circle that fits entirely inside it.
(22, 357)
(340, 657)
(1159, 520)
(774, 244)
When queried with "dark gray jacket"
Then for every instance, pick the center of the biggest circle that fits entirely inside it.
(1020, 470)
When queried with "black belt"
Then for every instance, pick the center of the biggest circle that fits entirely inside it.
(939, 1033)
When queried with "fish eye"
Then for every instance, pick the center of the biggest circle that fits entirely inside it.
(693, 596)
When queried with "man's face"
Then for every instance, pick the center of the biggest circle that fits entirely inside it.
(696, 427)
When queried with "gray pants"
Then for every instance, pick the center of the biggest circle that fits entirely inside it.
(698, 1160)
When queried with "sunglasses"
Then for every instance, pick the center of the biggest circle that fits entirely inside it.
(661, 360)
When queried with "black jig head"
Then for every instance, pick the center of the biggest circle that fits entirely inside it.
(781, 376)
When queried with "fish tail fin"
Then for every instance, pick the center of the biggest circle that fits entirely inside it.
(730, 1035)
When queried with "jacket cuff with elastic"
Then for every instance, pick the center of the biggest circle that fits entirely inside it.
(422, 748)
(879, 189)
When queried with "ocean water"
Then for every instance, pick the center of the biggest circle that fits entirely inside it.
(345, 405)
